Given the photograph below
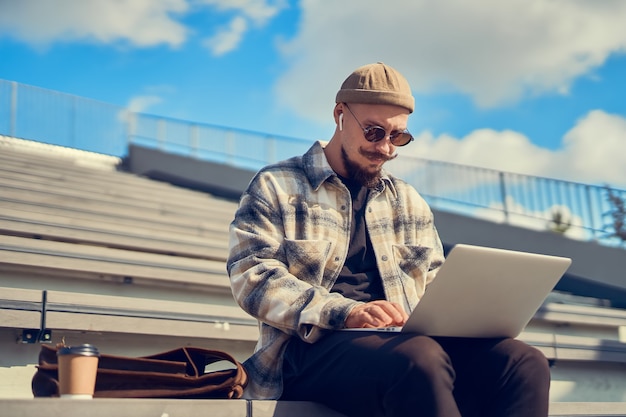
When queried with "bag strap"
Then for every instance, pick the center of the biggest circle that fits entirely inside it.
(204, 357)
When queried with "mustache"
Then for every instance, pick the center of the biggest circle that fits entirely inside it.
(378, 155)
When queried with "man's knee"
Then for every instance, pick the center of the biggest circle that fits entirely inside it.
(526, 362)
(537, 364)
(423, 356)
(521, 351)
(423, 378)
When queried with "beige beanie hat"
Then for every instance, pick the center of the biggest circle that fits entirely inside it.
(376, 84)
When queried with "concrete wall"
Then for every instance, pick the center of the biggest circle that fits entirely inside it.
(218, 179)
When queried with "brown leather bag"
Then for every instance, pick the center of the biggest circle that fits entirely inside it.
(178, 373)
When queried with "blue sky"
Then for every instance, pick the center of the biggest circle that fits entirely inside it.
(530, 86)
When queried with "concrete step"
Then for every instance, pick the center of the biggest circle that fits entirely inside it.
(54, 407)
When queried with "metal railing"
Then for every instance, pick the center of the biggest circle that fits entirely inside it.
(582, 211)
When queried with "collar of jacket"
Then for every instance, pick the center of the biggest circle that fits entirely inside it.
(318, 170)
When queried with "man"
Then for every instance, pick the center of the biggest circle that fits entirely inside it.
(328, 241)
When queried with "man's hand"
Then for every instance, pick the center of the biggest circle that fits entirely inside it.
(379, 313)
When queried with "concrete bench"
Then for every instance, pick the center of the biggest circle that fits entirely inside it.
(167, 204)
(28, 203)
(63, 311)
(105, 313)
(108, 234)
(604, 322)
(24, 257)
(27, 173)
(558, 347)
(53, 407)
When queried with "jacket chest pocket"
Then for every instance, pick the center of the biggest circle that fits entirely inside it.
(306, 259)
(414, 264)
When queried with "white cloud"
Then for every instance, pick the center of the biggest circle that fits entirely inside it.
(140, 104)
(258, 11)
(255, 12)
(138, 22)
(501, 150)
(228, 38)
(496, 52)
(595, 149)
(592, 151)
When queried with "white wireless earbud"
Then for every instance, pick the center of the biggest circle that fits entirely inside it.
(341, 121)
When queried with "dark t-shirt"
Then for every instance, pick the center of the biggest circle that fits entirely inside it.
(359, 278)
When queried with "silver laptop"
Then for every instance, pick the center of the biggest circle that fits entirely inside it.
(484, 292)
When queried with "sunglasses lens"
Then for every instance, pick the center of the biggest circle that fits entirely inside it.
(377, 133)
(374, 133)
(402, 139)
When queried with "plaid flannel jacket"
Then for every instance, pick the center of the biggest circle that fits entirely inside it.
(288, 243)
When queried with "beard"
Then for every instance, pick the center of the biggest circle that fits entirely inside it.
(369, 179)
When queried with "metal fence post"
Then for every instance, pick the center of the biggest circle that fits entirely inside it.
(161, 134)
(229, 146)
(505, 209)
(131, 120)
(271, 149)
(13, 116)
(592, 217)
(194, 142)
(73, 123)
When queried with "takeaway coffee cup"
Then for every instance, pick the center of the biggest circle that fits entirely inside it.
(78, 366)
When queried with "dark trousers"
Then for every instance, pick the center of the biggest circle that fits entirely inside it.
(396, 374)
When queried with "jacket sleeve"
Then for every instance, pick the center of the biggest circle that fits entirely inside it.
(261, 281)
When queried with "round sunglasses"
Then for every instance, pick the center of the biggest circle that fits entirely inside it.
(378, 133)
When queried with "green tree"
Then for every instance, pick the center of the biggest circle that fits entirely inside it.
(558, 223)
(617, 215)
